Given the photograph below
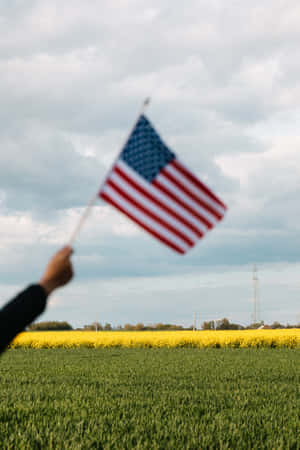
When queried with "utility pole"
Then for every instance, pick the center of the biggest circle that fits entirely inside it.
(255, 295)
(194, 321)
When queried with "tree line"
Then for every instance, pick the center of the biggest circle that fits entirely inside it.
(225, 324)
(50, 326)
(97, 326)
(221, 324)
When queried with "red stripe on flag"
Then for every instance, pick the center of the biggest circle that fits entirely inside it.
(178, 200)
(159, 203)
(141, 224)
(191, 177)
(183, 188)
(150, 214)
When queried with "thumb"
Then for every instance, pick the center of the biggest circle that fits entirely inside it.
(66, 251)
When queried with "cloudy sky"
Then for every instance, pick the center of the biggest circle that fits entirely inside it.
(224, 82)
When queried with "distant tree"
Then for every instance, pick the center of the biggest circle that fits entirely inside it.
(107, 327)
(50, 326)
(167, 326)
(225, 324)
(171, 326)
(177, 327)
(129, 327)
(209, 325)
(276, 325)
(139, 326)
(95, 326)
(221, 324)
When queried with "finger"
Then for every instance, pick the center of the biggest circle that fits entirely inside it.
(66, 251)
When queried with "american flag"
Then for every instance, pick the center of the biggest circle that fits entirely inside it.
(156, 190)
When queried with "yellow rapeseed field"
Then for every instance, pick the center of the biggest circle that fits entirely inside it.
(71, 339)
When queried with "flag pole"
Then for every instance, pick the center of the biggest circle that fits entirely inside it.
(89, 206)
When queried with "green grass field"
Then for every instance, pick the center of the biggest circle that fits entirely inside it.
(150, 399)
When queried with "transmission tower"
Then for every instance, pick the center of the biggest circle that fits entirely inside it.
(255, 295)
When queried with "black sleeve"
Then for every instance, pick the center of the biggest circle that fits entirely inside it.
(20, 312)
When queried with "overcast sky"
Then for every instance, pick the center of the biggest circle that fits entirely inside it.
(224, 81)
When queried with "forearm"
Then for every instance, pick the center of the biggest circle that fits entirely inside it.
(20, 312)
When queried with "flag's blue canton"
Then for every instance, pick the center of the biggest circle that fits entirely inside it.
(145, 152)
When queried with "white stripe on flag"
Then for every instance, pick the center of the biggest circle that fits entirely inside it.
(182, 168)
(150, 206)
(159, 195)
(191, 187)
(186, 199)
(132, 200)
(118, 199)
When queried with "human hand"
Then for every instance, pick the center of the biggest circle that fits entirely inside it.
(59, 270)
